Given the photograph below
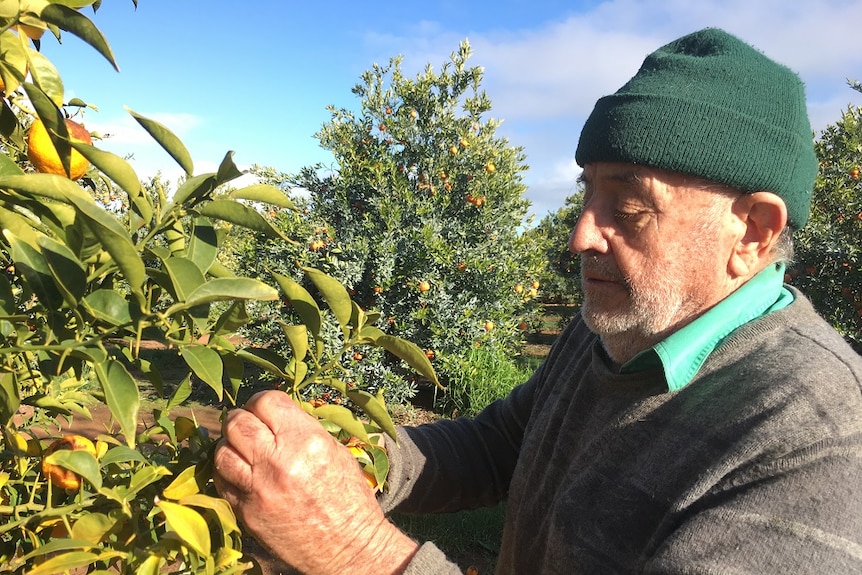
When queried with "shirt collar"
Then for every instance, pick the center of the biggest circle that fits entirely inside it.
(683, 353)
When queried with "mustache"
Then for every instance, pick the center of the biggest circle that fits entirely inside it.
(593, 266)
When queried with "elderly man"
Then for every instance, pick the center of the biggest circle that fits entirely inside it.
(697, 416)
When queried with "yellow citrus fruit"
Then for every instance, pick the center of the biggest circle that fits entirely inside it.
(60, 476)
(44, 157)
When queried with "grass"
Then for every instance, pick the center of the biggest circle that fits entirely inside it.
(484, 376)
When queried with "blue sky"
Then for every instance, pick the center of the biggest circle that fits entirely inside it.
(256, 76)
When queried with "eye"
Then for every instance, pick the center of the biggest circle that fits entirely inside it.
(632, 220)
(627, 216)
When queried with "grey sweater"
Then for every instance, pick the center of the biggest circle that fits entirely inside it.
(754, 467)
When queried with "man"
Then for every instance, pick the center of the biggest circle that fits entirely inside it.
(697, 416)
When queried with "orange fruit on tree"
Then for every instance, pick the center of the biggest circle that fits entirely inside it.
(44, 157)
(424, 286)
(489, 325)
(60, 476)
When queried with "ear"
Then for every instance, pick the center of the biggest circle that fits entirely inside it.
(762, 217)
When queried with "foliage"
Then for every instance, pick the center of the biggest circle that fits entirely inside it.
(422, 217)
(562, 276)
(85, 284)
(828, 265)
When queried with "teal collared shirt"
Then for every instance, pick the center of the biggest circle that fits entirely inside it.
(682, 354)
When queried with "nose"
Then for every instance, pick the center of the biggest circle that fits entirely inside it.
(587, 235)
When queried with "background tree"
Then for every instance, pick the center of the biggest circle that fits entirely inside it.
(828, 265)
(562, 275)
(424, 212)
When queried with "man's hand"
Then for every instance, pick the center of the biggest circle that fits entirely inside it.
(302, 494)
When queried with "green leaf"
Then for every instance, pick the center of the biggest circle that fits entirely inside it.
(335, 294)
(92, 527)
(76, 23)
(231, 288)
(203, 246)
(183, 485)
(188, 524)
(231, 319)
(234, 368)
(185, 276)
(121, 395)
(79, 461)
(206, 364)
(122, 454)
(46, 76)
(49, 186)
(55, 546)
(302, 302)
(218, 270)
(222, 509)
(144, 477)
(167, 140)
(64, 563)
(122, 173)
(297, 336)
(10, 399)
(116, 241)
(195, 189)
(239, 214)
(227, 170)
(14, 62)
(374, 409)
(109, 306)
(263, 193)
(19, 226)
(266, 360)
(8, 167)
(181, 393)
(410, 353)
(69, 275)
(343, 418)
(54, 120)
(31, 264)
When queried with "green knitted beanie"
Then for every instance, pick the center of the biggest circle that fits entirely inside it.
(711, 106)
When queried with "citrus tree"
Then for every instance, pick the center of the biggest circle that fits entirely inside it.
(422, 217)
(561, 276)
(828, 265)
(84, 286)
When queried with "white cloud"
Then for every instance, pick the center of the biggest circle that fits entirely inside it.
(544, 81)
